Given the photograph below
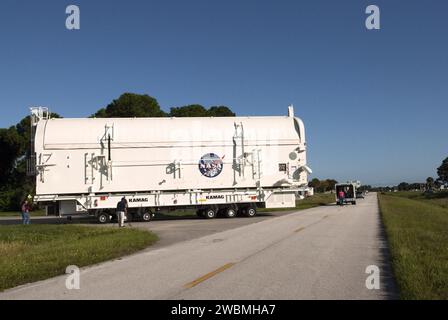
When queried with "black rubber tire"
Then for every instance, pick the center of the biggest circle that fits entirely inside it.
(103, 218)
(210, 213)
(230, 213)
(251, 212)
(146, 216)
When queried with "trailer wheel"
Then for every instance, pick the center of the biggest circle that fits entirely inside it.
(146, 216)
(210, 213)
(103, 218)
(251, 212)
(230, 213)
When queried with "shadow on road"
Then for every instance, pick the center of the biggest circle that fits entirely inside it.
(82, 219)
(388, 283)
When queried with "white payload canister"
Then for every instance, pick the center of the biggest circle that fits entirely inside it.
(106, 156)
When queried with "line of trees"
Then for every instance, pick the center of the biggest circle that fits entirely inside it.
(328, 185)
(142, 105)
(429, 184)
(321, 186)
(15, 185)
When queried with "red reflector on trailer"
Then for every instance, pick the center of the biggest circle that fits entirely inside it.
(102, 198)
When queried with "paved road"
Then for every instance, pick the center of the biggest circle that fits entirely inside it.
(320, 253)
(174, 230)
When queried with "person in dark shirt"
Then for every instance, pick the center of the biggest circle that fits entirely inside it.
(122, 208)
(26, 212)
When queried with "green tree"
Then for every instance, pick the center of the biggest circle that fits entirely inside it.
(12, 145)
(13, 178)
(130, 105)
(442, 171)
(322, 185)
(193, 110)
(331, 183)
(15, 144)
(220, 111)
(314, 183)
(403, 186)
(197, 110)
(414, 186)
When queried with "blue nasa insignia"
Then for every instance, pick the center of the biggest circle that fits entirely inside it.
(210, 165)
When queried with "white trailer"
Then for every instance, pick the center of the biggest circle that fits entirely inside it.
(223, 165)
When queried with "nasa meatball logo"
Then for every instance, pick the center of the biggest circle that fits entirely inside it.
(210, 165)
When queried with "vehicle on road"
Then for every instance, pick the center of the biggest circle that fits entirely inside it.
(228, 165)
(359, 195)
(349, 191)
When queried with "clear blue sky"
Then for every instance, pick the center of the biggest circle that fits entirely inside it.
(374, 102)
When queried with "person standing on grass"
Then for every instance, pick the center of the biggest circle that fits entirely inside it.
(122, 208)
(26, 212)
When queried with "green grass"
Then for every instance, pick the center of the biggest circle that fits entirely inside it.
(417, 230)
(37, 252)
(438, 198)
(319, 199)
(36, 213)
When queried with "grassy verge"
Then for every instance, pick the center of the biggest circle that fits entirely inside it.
(418, 237)
(36, 252)
(439, 198)
(36, 213)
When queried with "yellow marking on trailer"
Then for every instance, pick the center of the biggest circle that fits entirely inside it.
(208, 275)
